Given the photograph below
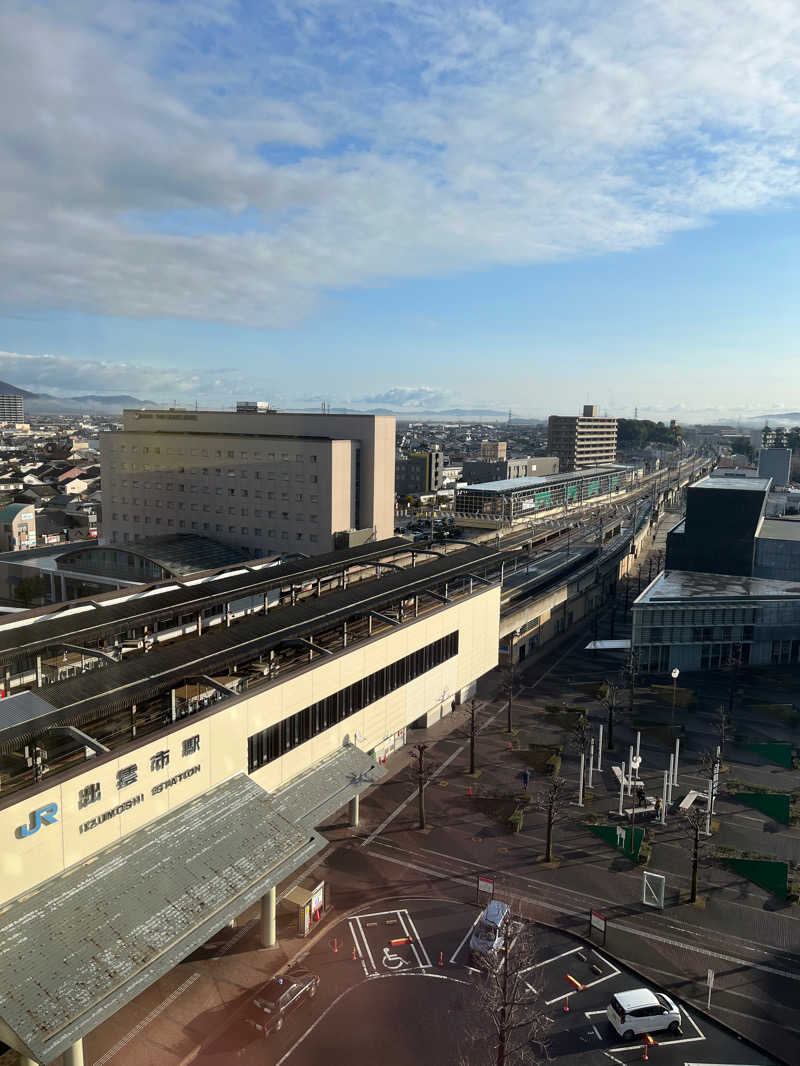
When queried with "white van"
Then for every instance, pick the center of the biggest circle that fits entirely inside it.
(641, 1011)
(490, 931)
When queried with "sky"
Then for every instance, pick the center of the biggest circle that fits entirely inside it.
(416, 204)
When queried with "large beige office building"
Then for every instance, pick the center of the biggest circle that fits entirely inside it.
(581, 441)
(262, 480)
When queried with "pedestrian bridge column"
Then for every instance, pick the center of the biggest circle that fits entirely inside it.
(73, 1056)
(353, 811)
(268, 937)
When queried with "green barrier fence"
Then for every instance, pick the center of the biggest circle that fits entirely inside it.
(777, 753)
(773, 804)
(620, 837)
(774, 876)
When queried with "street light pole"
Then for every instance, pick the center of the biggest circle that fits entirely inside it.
(675, 675)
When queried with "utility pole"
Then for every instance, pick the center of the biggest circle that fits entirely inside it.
(418, 753)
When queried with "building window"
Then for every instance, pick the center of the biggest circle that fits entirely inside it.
(271, 743)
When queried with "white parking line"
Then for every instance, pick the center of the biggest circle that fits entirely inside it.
(417, 939)
(467, 935)
(366, 943)
(555, 958)
(357, 945)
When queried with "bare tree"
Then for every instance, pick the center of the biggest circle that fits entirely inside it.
(581, 738)
(553, 801)
(422, 774)
(608, 697)
(694, 821)
(507, 1018)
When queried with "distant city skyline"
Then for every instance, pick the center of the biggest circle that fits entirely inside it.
(425, 207)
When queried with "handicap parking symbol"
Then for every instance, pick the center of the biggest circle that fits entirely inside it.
(392, 961)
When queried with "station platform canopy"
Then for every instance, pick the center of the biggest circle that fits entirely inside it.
(313, 796)
(82, 944)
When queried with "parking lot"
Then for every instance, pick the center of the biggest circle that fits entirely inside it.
(393, 991)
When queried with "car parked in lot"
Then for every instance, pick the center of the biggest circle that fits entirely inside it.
(280, 997)
(641, 1011)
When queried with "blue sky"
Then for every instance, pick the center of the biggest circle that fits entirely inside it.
(418, 205)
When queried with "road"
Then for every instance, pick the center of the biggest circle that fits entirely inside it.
(412, 1003)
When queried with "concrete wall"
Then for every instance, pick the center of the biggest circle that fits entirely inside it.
(223, 733)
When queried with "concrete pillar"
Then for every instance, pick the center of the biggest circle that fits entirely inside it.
(268, 936)
(63, 587)
(73, 1056)
(352, 811)
(38, 671)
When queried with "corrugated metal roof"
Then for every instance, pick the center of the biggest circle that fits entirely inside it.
(101, 618)
(313, 796)
(88, 941)
(111, 688)
(23, 708)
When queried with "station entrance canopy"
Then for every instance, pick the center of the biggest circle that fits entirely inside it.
(313, 796)
(84, 943)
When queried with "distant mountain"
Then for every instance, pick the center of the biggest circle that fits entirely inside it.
(37, 403)
(13, 390)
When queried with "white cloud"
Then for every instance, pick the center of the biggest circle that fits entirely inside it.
(477, 135)
(60, 375)
(421, 397)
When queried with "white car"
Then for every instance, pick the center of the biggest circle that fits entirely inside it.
(641, 1011)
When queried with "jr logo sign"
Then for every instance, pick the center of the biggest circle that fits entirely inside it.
(42, 816)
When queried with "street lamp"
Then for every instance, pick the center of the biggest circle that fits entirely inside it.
(675, 675)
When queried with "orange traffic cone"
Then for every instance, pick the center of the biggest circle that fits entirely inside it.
(354, 953)
(644, 1052)
(565, 1008)
(335, 945)
(441, 958)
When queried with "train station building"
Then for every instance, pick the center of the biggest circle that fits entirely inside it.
(183, 767)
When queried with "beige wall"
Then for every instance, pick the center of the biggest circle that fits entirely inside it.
(173, 448)
(24, 862)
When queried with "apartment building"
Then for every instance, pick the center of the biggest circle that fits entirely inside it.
(493, 449)
(11, 408)
(263, 481)
(581, 441)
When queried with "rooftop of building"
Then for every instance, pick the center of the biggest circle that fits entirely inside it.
(11, 510)
(180, 555)
(779, 529)
(733, 484)
(678, 585)
(544, 480)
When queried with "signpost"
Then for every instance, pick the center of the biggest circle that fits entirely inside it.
(485, 888)
(597, 921)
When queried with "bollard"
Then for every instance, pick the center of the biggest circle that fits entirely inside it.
(621, 789)
(591, 760)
